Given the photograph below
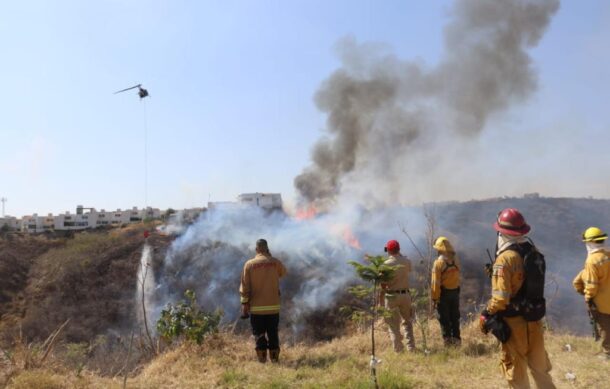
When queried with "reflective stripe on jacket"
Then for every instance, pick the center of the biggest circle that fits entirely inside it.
(260, 284)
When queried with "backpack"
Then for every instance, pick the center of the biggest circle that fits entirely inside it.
(529, 301)
(449, 265)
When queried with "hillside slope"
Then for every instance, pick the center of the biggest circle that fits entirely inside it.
(227, 361)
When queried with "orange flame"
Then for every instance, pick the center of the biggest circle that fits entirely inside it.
(307, 213)
(350, 238)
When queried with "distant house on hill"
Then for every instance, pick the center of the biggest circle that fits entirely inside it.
(267, 201)
(534, 195)
(10, 222)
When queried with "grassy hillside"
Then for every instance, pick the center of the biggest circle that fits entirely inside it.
(227, 361)
(90, 278)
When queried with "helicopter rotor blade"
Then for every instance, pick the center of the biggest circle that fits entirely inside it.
(126, 89)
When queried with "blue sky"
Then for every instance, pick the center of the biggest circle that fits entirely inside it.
(231, 107)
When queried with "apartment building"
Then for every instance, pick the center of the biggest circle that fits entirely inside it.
(12, 223)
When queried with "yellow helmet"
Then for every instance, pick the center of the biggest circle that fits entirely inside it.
(594, 234)
(443, 244)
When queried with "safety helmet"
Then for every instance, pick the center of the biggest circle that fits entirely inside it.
(594, 234)
(511, 222)
(443, 244)
(392, 246)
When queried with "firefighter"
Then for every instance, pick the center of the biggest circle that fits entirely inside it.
(525, 345)
(596, 278)
(260, 300)
(397, 299)
(445, 289)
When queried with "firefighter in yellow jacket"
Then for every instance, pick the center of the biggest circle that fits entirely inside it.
(445, 289)
(596, 278)
(260, 299)
(525, 346)
(397, 299)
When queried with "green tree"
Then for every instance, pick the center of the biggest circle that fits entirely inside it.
(375, 272)
(186, 321)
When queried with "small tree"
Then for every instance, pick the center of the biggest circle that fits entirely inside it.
(185, 320)
(422, 296)
(376, 272)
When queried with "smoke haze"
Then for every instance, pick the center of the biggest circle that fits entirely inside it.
(397, 129)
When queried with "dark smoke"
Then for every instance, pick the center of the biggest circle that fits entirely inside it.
(383, 113)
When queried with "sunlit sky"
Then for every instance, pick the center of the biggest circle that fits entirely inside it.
(231, 88)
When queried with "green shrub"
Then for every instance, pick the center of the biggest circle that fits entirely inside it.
(186, 321)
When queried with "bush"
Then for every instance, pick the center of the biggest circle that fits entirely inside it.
(186, 321)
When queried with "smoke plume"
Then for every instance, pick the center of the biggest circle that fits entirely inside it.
(209, 256)
(395, 129)
(392, 123)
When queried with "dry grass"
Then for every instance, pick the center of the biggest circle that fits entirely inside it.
(227, 361)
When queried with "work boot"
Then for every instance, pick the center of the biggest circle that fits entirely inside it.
(447, 341)
(274, 355)
(261, 355)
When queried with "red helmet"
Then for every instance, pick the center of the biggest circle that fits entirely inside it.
(392, 246)
(146, 234)
(511, 222)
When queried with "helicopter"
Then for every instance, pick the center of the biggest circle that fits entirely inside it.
(141, 91)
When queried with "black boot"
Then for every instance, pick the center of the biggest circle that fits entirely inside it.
(261, 355)
(274, 355)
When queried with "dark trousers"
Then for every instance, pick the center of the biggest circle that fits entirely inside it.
(264, 329)
(449, 313)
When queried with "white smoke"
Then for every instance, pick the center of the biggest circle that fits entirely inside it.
(209, 257)
(145, 288)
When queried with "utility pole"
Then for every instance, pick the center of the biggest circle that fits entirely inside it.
(4, 200)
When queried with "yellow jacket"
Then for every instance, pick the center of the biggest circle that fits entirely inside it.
(506, 280)
(260, 284)
(596, 277)
(445, 274)
(578, 283)
(401, 276)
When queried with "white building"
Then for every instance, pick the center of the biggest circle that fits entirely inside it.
(37, 223)
(78, 221)
(12, 223)
(150, 213)
(85, 218)
(264, 200)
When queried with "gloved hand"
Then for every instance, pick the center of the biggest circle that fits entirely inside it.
(245, 310)
(488, 270)
(483, 321)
